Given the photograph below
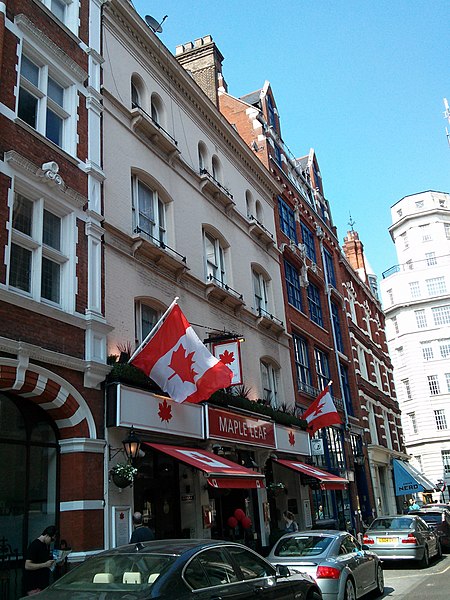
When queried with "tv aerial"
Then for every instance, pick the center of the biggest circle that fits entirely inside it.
(153, 23)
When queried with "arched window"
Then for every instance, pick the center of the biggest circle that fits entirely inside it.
(216, 169)
(157, 109)
(270, 378)
(249, 203)
(202, 157)
(260, 290)
(215, 259)
(135, 100)
(137, 92)
(28, 471)
(259, 212)
(149, 211)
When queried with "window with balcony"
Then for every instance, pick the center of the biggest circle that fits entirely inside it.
(421, 320)
(287, 220)
(302, 363)
(39, 264)
(45, 101)
(309, 240)
(412, 422)
(436, 286)
(293, 285)
(315, 308)
(261, 298)
(431, 259)
(329, 267)
(414, 289)
(215, 259)
(322, 368)
(149, 212)
(441, 419)
(433, 384)
(406, 389)
(441, 315)
(270, 378)
(335, 310)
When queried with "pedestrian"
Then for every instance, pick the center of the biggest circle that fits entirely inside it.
(320, 514)
(38, 562)
(413, 504)
(290, 523)
(141, 532)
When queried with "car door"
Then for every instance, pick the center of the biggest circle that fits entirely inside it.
(428, 535)
(212, 575)
(260, 576)
(361, 564)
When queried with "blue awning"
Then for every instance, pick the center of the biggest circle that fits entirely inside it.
(408, 480)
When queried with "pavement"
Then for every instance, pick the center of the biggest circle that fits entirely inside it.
(406, 580)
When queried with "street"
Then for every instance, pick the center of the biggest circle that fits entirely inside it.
(405, 580)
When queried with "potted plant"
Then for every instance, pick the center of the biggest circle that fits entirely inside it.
(275, 489)
(123, 474)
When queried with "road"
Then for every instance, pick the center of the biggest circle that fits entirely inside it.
(407, 581)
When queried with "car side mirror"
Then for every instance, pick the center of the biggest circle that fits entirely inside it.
(283, 571)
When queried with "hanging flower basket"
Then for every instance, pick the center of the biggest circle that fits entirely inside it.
(276, 489)
(123, 474)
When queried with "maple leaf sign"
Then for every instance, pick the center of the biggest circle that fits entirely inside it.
(227, 357)
(318, 410)
(165, 411)
(181, 364)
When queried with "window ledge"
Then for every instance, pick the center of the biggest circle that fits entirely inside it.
(161, 255)
(144, 124)
(270, 323)
(224, 295)
(220, 194)
(258, 230)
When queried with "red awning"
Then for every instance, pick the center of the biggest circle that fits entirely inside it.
(327, 480)
(221, 473)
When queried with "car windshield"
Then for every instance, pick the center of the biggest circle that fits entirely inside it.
(402, 523)
(432, 518)
(115, 572)
(303, 545)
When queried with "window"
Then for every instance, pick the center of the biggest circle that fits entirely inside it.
(412, 422)
(252, 566)
(157, 109)
(215, 261)
(135, 100)
(387, 429)
(407, 389)
(446, 461)
(414, 289)
(362, 361)
(322, 368)
(441, 315)
(315, 309)
(436, 286)
(337, 326)
(377, 369)
(38, 260)
(419, 204)
(425, 233)
(440, 418)
(400, 212)
(308, 240)
(293, 285)
(203, 160)
(269, 376)
(427, 352)
(404, 238)
(43, 101)
(210, 568)
(445, 349)
(260, 291)
(431, 259)
(302, 362)
(395, 324)
(287, 220)
(421, 320)
(372, 423)
(345, 386)
(329, 268)
(447, 230)
(216, 169)
(447, 381)
(277, 153)
(433, 384)
(146, 318)
(410, 265)
(149, 212)
(271, 113)
(390, 296)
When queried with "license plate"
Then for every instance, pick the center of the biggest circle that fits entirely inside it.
(387, 540)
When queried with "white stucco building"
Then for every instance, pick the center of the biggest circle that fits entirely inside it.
(416, 298)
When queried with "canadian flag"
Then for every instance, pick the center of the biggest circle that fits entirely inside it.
(322, 412)
(175, 358)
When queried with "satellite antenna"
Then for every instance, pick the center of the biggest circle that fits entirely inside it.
(153, 23)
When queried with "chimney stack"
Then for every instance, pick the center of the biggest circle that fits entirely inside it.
(354, 251)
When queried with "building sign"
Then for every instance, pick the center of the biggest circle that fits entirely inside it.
(225, 425)
(121, 525)
(317, 447)
(292, 439)
(230, 354)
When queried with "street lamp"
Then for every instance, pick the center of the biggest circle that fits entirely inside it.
(131, 445)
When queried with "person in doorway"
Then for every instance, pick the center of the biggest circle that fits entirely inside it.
(141, 532)
(290, 524)
(38, 563)
(413, 504)
(320, 514)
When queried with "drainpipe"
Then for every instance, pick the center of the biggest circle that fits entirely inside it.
(2, 34)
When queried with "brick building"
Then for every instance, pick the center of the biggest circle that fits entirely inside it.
(53, 334)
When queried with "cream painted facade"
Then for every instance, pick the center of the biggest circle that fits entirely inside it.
(416, 297)
(232, 202)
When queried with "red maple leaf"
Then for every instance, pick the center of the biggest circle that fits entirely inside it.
(291, 438)
(227, 357)
(319, 409)
(181, 363)
(165, 411)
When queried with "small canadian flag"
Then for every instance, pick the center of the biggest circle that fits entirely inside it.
(322, 412)
(176, 359)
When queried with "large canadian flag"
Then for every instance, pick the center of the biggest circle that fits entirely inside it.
(322, 412)
(175, 358)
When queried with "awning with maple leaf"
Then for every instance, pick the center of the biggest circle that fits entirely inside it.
(327, 481)
(220, 472)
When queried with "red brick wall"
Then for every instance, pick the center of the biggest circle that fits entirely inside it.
(82, 129)
(5, 183)
(82, 529)
(82, 269)
(9, 71)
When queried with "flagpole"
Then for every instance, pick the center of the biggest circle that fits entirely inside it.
(157, 325)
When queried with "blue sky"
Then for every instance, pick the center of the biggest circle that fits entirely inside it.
(361, 82)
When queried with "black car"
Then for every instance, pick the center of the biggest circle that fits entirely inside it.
(437, 517)
(181, 570)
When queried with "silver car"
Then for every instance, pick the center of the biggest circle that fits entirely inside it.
(403, 537)
(341, 567)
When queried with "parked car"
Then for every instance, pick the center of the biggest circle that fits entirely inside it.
(341, 567)
(181, 570)
(403, 537)
(437, 518)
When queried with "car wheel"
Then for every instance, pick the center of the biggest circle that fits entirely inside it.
(425, 562)
(439, 550)
(350, 593)
(314, 596)
(380, 580)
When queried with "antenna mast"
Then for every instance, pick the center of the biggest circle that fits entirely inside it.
(447, 116)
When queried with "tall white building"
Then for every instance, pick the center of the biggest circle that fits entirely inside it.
(416, 298)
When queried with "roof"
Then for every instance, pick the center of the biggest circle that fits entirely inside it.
(172, 547)
(252, 97)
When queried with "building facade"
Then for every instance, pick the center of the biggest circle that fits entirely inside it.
(416, 298)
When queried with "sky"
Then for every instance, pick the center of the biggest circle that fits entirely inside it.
(362, 82)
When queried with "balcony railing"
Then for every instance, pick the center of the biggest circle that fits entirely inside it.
(151, 129)
(425, 263)
(225, 286)
(159, 243)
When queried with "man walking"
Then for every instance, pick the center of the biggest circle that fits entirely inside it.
(38, 562)
(141, 532)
